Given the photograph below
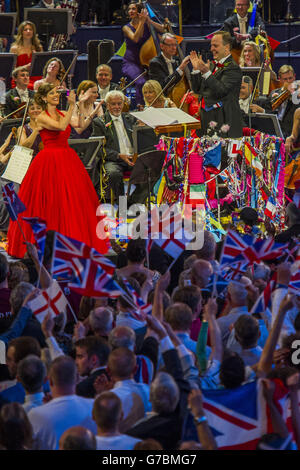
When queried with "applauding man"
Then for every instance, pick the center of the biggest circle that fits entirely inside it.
(218, 85)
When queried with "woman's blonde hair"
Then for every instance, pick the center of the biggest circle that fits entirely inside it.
(153, 85)
(61, 71)
(36, 44)
(85, 85)
(42, 92)
(256, 50)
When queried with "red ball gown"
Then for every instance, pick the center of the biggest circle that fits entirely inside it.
(58, 189)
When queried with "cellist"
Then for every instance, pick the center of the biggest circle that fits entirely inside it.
(137, 33)
(166, 67)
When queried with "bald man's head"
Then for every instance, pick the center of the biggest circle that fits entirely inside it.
(77, 438)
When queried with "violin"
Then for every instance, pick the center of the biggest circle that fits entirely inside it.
(122, 86)
(280, 98)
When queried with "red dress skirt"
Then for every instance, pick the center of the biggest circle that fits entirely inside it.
(58, 189)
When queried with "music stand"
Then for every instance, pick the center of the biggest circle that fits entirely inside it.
(267, 123)
(7, 64)
(87, 144)
(147, 169)
(7, 24)
(144, 139)
(48, 22)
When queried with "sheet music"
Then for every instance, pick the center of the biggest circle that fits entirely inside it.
(155, 117)
(18, 164)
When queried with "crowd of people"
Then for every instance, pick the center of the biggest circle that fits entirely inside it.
(101, 374)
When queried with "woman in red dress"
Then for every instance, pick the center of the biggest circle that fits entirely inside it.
(26, 42)
(56, 186)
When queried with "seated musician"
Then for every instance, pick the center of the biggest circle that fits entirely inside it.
(53, 73)
(292, 141)
(151, 90)
(30, 135)
(116, 127)
(104, 77)
(238, 24)
(50, 4)
(19, 95)
(285, 111)
(245, 99)
(166, 67)
(250, 55)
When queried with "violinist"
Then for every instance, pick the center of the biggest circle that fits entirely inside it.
(280, 100)
(166, 67)
(19, 95)
(137, 33)
(104, 77)
(290, 143)
(238, 27)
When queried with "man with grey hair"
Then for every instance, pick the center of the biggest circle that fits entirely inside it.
(236, 306)
(116, 127)
(101, 321)
(77, 438)
(166, 67)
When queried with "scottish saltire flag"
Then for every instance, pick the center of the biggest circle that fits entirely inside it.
(238, 417)
(142, 308)
(93, 281)
(50, 300)
(67, 256)
(12, 201)
(39, 229)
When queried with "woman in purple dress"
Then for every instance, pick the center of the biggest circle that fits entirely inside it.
(136, 33)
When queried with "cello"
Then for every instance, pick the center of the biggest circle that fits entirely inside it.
(150, 48)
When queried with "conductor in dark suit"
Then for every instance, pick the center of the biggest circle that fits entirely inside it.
(238, 25)
(116, 127)
(218, 85)
(166, 67)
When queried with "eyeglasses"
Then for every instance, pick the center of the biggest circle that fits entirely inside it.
(170, 45)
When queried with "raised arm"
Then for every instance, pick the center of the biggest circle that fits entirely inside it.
(46, 122)
(136, 36)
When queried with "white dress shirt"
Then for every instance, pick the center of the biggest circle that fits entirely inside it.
(23, 94)
(103, 91)
(124, 142)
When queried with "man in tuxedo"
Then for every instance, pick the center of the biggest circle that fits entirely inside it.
(104, 77)
(116, 127)
(166, 68)
(20, 94)
(218, 85)
(238, 25)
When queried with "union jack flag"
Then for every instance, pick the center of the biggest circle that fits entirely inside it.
(68, 254)
(142, 308)
(264, 300)
(93, 281)
(239, 417)
(234, 272)
(12, 201)
(294, 285)
(39, 229)
(170, 236)
(233, 248)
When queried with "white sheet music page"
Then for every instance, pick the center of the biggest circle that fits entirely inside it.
(155, 117)
(18, 164)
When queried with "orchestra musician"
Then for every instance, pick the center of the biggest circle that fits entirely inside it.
(86, 109)
(104, 80)
(151, 90)
(53, 73)
(137, 34)
(30, 132)
(218, 85)
(26, 42)
(290, 142)
(237, 25)
(16, 97)
(166, 67)
(286, 108)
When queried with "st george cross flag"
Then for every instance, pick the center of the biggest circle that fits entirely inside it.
(50, 300)
(67, 254)
(93, 281)
(39, 229)
(238, 417)
(12, 201)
